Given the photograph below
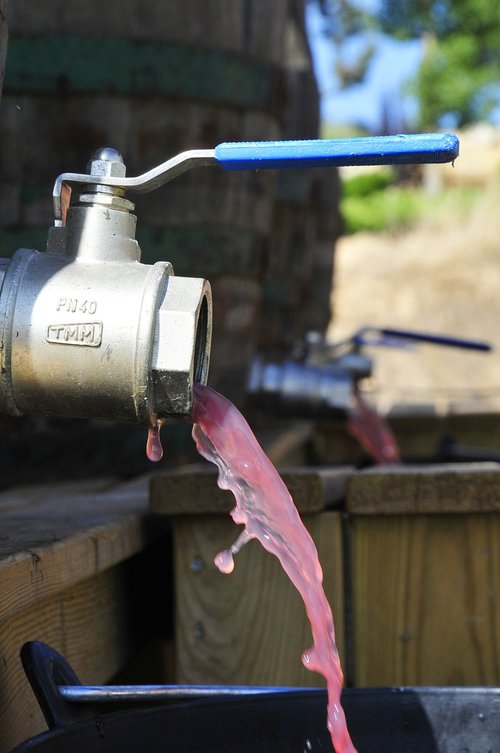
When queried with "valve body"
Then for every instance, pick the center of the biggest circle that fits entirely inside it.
(86, 330)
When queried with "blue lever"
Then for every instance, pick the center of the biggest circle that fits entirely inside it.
(423, 337)
(375, 150)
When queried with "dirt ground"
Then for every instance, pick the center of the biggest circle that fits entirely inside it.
(442, 276)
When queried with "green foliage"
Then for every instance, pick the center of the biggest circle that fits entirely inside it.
(343, 18)
(453, 80)
(366, 184)
(460, 74)
(390, 209)
(371, 202)
(341, 131)
(410, 19)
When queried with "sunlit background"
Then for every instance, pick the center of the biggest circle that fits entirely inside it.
(421, 250)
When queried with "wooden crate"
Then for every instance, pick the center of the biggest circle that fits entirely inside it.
(249, 627)
(411, 559)
(75, 564)
(423, 435)
(424, 552)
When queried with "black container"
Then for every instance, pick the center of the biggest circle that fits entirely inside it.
(387, 720)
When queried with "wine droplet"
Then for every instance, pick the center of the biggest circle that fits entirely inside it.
(225, 562)
(154, 449)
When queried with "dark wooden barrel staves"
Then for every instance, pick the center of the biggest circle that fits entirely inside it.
(4, 33)
(153, 79)
(306, 222)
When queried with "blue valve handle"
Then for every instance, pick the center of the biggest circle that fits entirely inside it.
(375, 150)
(422, 337)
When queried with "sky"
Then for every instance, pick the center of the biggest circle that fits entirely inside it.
(394, 63)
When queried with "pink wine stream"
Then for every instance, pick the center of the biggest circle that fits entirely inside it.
(266, 510)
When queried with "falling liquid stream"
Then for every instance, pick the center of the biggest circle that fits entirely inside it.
(266, 509)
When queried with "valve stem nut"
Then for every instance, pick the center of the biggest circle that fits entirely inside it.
(107, 161)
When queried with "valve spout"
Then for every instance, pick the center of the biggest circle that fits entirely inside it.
(181, 347)
(300, 389)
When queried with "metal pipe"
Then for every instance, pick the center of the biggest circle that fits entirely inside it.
(301, 389)
(112, 693)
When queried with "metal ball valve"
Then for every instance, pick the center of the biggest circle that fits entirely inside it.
(86, 330)
(89, 331)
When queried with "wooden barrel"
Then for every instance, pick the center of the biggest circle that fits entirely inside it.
(153, 79)
(306, 220)
(3, 41)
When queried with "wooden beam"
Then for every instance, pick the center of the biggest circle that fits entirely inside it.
(424, 595)
(452, 488)
(75, 572)
(195, 491)
(51, 545)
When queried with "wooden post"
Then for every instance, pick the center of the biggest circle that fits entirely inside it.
(425, 575)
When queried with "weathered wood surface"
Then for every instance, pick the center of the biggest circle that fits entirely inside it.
(195, 491)
(249, 627)
(89, 623)
(424, 546)
(226, 25)
(287, 445)
(424, 597)
(449, 488)
(422, 436)
(423, 577)
(51, 545)
(4, 38)
(74, 572)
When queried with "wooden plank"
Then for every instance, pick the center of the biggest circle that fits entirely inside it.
(421, 435)
(75, 572)
(48, 547)
(25, 496)
(419, 431)
(424, 597)
(454, 488)
(287, 445)
(332, 445)
(315, 489)
(424, 435)
(189, 491)
(249, 627)
(195, 491)
(90, 624)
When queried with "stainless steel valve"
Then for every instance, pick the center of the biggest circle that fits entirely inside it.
(86, 330)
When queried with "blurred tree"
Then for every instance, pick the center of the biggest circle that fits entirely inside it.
(344, 19)
(460, 72)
